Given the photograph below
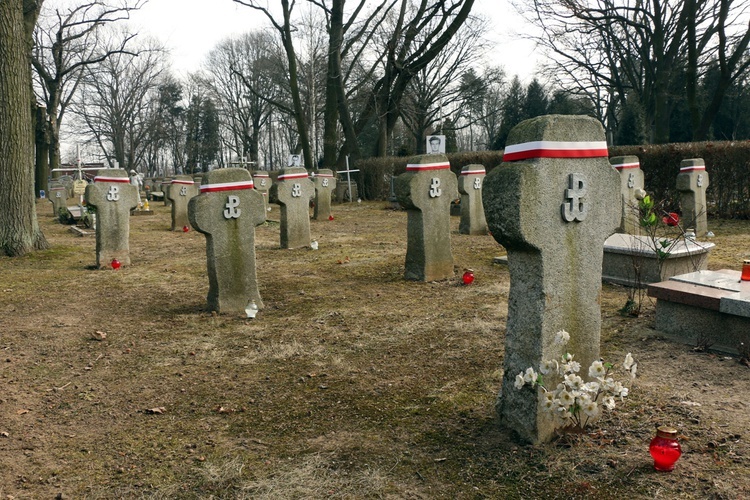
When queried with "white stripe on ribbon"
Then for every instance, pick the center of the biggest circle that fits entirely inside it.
(299, 175)
(473, 172)
(261, 175)
(323, 175)
(555, 149)
(621, 166)
(692, 167)
(227, 186)
(427, 166)
(111, 179)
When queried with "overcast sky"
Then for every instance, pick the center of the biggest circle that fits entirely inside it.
(191, 28)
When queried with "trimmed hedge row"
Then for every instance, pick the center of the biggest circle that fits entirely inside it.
(727, 163)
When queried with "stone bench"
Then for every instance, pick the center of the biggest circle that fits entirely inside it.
(623, 251)
(704, 308)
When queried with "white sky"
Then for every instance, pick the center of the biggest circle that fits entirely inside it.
(191, 28)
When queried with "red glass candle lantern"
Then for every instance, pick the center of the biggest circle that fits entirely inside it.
(665, 449)
(115, 264)
(185, 229)
(468, 277)
(330, 217)
(745, 271)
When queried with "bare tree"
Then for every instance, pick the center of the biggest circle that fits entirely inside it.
(117, 98)
(653, 50)
(19, 228)
(67, 40)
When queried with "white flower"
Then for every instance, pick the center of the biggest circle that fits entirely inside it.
(567, 357)
(609, 403)
(572, 367)
(633, 369)
(608, 384)
(549, 396)
(591, 387)
(530, 376)
(590, 408)
(519, 381)
(629, 361)
(574, 381)
(597, 369)
(550, 404)
(624, 392)
(547, 367)
(566, 399)
(562, 337)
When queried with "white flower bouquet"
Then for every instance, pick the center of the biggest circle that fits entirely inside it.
(574, 402)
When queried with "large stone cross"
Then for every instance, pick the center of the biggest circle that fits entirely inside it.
(182, 189)
(472, 211)
(226, 211)
(692, 182)
(294, 191)
(551, 203)
(325, 183)
(426, 190)
(113, 197)
(631, 182)
(262, 182)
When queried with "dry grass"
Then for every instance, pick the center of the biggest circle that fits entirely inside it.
(351, 383)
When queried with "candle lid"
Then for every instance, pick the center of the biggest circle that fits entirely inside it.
(666, 432)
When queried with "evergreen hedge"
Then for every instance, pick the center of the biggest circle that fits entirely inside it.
(727, 164)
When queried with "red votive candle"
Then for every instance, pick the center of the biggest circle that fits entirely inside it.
(745, 271)
(665, 449)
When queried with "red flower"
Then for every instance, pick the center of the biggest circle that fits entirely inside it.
(672, 219)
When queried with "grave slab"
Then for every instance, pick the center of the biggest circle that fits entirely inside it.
(426, 190)
(552, 203)
(113, 197)
(704, 307)
(623, 252)
(226, 211)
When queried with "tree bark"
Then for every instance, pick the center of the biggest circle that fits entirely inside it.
(19, 228)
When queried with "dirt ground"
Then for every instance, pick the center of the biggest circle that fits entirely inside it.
(351, 383)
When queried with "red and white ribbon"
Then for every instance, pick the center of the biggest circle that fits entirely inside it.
(323, 175)
(297, 175)
(692, 167)
(412, 167)
(473, 172)
(622, 166)
(555, 149)
(189, 183)
(261, 175)
(226, 186)
(102, 178)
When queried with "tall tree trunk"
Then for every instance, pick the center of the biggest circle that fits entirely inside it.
(331, 111)
(19, 229)
(41, 139)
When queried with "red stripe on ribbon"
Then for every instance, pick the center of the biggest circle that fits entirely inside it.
(300, 175)
(473, 172)
(695, 167)
(622, 166)
(427, 166)
(189, 183)
(112, 179)
(227, 186)
(555, 149)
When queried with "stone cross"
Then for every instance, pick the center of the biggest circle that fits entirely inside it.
(182, 189)
(263, 183)
(325, 183)
(58, 195)
(472, 211)
(166, 183)
(226, 211)
(294, 191)
(426, 190)
(113, 197)
(552, 203)
(631, 181)
(692, 182)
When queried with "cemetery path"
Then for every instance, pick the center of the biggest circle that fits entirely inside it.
(350, 383)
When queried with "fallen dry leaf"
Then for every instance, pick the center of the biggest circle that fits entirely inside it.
(156, 411)
(22, 412)
(99, 335)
